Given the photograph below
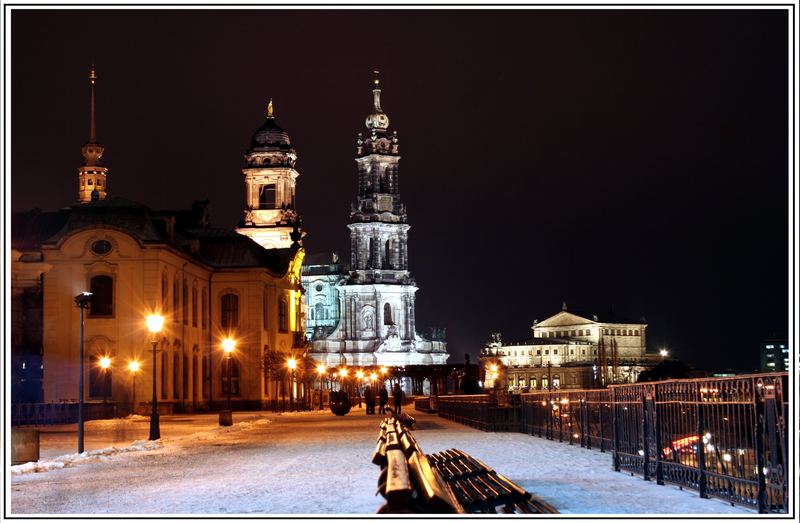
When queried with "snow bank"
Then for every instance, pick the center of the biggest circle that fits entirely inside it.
(68, 460)
(222, 431)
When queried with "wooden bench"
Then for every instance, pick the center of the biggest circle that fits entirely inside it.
(449, 482)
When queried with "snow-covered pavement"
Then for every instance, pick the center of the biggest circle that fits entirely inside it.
(307, 463)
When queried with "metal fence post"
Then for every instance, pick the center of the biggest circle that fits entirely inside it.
(614, 431)
(701, 446)
(602, 427)
(645, 438)
(657, 437)
(758, 409)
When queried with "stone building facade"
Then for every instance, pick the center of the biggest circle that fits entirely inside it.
(377, 322)
(571, 350)
(209, 283)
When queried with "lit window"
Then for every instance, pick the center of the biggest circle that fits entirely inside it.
(771, 364)
(770, 346)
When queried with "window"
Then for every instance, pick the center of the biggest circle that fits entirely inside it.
(266, 199)
(538, 352)
(204, 300)
(194, 306)
(175, 299)
(164, 292)
(230, 311)
(283, 314)
(555, 352)
(387, 253)
(164, 361)
(320, 310)
(533, 382)
(102, 300)
(234, 373)
(266, 308)
(636, 333)
(101, 247)
(206, 376)
(556, 381)
(176, 367)
(185, 303)
(99, 380)
(547, 352)
(387, 314)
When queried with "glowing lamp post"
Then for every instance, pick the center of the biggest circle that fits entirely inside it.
(291, 363)
(320, 372)
(155, 322)
(664, 353)
(82, 301)
(359, 382)
(134, 367)
(228, 346)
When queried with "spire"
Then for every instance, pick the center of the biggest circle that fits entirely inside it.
(563, 305)
(92, 128)
(376, 91)
(269, 109)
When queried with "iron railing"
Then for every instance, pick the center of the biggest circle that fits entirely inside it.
(53, 413)
(724, 437)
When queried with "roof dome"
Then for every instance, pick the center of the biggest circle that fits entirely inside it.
(270, 134)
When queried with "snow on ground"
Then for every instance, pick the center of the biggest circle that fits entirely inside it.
(315, 463)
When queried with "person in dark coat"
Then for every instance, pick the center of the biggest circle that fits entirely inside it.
(369, 399)
(383, 397)
(397, 394)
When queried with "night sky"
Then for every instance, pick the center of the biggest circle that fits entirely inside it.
(634, 159)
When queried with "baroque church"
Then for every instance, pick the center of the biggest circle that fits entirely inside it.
(209, 283)
(363, 314)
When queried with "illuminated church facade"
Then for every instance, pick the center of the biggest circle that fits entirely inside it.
(368, 308)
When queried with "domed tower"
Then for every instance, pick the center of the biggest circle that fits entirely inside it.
(92, 175)
(270, 179)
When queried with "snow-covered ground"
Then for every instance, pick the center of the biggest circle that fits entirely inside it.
(308, 463)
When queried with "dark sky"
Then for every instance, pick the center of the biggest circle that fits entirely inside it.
(634, 159)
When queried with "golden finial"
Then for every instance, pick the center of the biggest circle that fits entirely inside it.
(269, 109)
(377, 80)
(92, 75)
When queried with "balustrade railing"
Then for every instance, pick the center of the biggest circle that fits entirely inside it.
(724, 437)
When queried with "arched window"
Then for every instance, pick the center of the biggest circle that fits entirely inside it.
(164, 363)
(266, 197)
(387, 314)
(102, 300)
(320, 310)
(176, 368)
(371, 257)
(230, 311)
(185, 376)
(387, 255)
(99, 380)
(204, 305)
(194, 306)
(185, 303)
(556, 381)
(234, 373)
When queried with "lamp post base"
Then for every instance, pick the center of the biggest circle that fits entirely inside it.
(225, 418)
(155, 429)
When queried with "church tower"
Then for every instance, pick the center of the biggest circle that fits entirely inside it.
(377, 322)
(270, 178)
(92, 175)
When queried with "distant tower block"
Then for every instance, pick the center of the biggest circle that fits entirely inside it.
(92, 175)
(270, 180)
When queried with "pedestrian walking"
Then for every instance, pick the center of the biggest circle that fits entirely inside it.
(398, 398)
(383, 397)
(369, 399)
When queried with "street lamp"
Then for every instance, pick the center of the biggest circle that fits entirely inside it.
(664, 353)
(154, 324)
(229, 345)
(320, 371)
(82, 301)
(359, 382)
(134, 367)
(292, 364)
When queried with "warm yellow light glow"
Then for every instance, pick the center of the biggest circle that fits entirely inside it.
(321, 369)
(343, 372)
(134, 366)
(664, 353)
(493, 367)
(373, 377)
(291, 363)
(154, 323)
(105, 362)
(228, 345)
(360, 374)
(384, 370)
